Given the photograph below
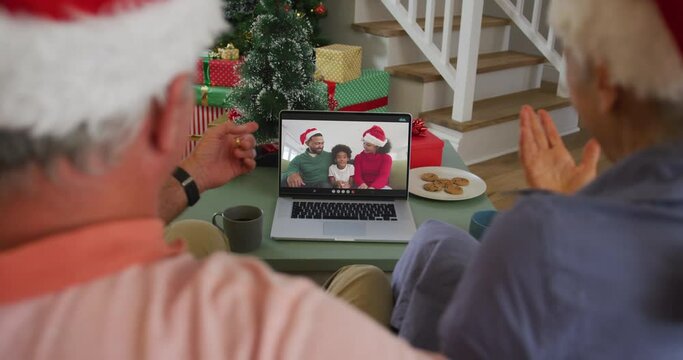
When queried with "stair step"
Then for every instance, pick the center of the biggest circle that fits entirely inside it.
(499, 109)
(393, 28)
(426, 72)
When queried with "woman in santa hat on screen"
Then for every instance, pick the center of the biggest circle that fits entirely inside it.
(373, 164)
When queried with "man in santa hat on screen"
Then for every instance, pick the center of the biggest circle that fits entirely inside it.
(310, 168)
(95, 104)
(583, 267)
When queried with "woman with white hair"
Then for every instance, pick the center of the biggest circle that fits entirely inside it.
(582, 267)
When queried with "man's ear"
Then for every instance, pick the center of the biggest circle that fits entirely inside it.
(170, 121)
(608, 92)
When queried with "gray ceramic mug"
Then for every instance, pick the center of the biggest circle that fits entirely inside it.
(243, 225)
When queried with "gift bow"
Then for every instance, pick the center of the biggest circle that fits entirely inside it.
(419, 128)
(233, 114)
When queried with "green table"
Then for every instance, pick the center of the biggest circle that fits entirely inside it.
(259, 188)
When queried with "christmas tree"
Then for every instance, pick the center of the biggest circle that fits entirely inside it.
(242, 13)
(278, 72)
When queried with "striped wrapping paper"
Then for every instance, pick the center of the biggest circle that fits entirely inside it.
(203, 115)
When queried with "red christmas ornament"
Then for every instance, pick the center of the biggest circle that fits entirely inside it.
(287, 7)
(419, 128)
(320, 9)
(233, 114)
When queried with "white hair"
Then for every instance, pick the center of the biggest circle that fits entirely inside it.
(630, 37)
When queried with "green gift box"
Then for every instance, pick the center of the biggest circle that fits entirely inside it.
(211, 95)
(370, 92)
(209, 105)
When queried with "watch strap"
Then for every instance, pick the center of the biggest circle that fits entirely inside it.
(188, 184)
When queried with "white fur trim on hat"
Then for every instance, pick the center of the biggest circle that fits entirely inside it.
(368, 137)
(630, 37)
(308, 134)
(58, 75)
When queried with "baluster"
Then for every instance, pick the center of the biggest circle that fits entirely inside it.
(562, 88)
(536, 15)
(468, 52)
(447, 32)
(412, 11)
(429, 22)
(551, 39)
(520, 7)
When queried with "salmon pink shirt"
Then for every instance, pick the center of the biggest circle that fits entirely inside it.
(117, 291)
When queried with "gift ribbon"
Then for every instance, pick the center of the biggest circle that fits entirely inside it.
(418, 127)
(332, 103)
(205, 95)
(368, 105)
(205, 71)
(363, 106)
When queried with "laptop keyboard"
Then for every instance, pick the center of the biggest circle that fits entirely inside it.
(343, 211)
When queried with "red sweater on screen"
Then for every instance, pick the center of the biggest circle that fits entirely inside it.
(372, 169)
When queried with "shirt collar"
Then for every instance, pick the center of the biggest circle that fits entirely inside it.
(73, 257)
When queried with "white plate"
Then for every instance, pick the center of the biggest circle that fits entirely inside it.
(476, 187)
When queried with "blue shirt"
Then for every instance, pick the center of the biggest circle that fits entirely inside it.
(598, 275)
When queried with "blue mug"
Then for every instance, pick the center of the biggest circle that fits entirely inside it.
(480, 222)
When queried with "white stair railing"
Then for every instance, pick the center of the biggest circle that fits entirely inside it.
(530, 28)
(463, 80)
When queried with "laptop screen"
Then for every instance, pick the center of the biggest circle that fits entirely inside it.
(344, 154)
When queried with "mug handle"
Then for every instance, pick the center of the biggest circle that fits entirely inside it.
(213, 220)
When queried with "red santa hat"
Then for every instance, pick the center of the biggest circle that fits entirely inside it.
(640, 41)
(375, 135)
(78, 63)
(308, 134)
(672, 12)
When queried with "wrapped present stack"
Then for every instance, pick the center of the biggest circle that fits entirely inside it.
(348, 87)
(426, 149)
(216, 74)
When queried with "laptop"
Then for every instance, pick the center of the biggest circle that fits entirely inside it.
(365, 199)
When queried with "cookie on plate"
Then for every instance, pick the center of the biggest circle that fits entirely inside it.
(443, 181)
(454, 189)
(460, 181)
(432, 186)
(429, 177)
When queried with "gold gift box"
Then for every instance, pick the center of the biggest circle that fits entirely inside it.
(229, 52)
(339, 63)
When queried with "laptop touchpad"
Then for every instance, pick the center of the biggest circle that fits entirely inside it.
(335, 228)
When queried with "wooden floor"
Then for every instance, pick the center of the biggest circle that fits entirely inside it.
(504, 175)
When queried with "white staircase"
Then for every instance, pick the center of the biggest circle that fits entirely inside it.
(453, 66)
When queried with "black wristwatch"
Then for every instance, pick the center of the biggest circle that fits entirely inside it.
(188, 184)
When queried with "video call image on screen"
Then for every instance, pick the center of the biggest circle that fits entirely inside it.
(346, 157)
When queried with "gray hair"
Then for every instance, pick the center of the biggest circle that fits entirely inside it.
(18, 149)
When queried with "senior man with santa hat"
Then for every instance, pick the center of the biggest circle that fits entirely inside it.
(583, 267)
(95, 105)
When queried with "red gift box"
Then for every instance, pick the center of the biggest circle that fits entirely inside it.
(426, 150)
(219, 72)
(202, 117)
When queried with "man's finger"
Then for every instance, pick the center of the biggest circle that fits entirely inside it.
(554, 138)
(246, 128)
(246, 142)
(249, 164)
(230, 127)
(244, 154)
